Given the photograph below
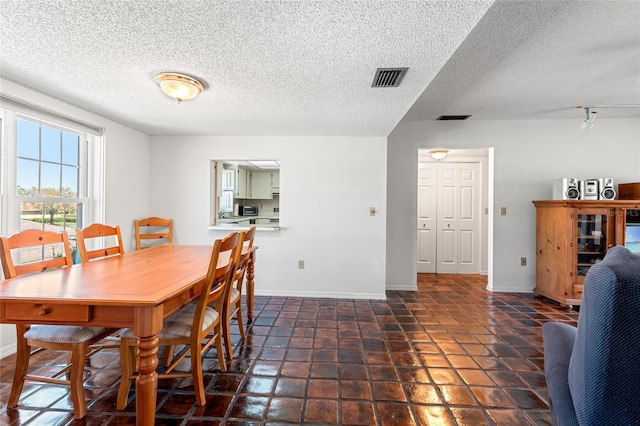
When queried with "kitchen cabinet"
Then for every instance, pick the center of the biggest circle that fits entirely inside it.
(228, 180)
(572, 236)
(241, 183)
(275, 181)
(260, 184)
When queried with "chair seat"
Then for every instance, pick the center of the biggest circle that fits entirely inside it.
(180, 325)
(63, 333)
(235, 295)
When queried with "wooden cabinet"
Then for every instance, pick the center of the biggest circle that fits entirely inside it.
(629, 191)
(571, 236)
(260, 186)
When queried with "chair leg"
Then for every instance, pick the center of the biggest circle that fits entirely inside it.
(239, 317)
(77, 372)
(167, 355)
(226, 334)
(127, 370)
(219, 349)
(22, 365)
(196, 372)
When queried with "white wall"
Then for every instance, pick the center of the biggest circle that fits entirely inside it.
(126, 168)
(528, 155)
(327, 185)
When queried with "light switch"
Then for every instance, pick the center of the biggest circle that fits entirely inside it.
(503, 211)
(372, 211)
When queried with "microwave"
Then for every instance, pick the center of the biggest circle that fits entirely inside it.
(248, 211)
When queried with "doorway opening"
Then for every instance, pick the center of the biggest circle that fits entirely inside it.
(454, 225)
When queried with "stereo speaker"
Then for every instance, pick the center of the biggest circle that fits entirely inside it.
(607, 191)
(566, 189)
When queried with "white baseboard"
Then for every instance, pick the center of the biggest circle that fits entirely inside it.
(8, 350)
(298, 293)
(511, 290)
(402, 287)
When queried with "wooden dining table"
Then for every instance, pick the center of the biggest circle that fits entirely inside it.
(137, 290)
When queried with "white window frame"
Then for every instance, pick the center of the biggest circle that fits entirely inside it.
(92, 179)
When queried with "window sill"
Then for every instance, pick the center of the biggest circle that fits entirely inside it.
(236, 227)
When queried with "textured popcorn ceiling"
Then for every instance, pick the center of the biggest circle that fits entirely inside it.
(306, 67)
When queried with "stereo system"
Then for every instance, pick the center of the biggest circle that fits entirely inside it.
(587, 189)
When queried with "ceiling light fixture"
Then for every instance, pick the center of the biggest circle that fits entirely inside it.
(179, 86)
(587, 124)
(438, 154)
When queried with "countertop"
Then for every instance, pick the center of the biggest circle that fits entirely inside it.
(240, 219)
(242, 223)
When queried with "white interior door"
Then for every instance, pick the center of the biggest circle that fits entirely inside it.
(426, 218)
(449, 218)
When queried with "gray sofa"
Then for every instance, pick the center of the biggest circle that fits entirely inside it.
(593, 371)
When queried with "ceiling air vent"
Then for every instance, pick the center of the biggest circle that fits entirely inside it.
(453, 117)
(388, 77)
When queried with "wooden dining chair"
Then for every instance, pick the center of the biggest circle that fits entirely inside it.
(153, 231)
(196, 327)
(109, 237)
(233, 297)
(40, 251)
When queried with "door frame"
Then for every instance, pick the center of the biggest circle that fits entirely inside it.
(485, 156)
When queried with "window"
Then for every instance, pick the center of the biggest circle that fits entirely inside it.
(48, 177)
(47, 185)
(245, 193)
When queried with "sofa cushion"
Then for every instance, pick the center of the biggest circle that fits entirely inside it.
(559, 339)
(604, 371)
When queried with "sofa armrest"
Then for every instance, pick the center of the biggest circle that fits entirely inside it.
(558, 345)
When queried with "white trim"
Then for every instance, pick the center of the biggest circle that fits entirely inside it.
(402, 287)
(318, 294)
(7, 350)
(29, 109)
(512, 290)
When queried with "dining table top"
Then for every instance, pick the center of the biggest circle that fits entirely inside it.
(139, 278)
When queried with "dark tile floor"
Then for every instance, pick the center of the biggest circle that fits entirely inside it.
(450, 353)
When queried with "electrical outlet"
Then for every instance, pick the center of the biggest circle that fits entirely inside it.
(300, 264)
(486, 210)
(503, 211)
(523, 261)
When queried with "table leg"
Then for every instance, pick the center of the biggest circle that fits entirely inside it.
(250, 287)
(147, 380)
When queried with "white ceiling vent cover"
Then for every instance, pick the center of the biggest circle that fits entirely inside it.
(388, 77)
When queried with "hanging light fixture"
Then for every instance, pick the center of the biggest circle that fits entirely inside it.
(591, 116)
(179, 86)
(588, 122)
(438, 154)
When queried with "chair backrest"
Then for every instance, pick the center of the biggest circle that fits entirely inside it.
(98, 230)
(247, 243)
(153, 231)
(230, 246)
(34, 245)
(217, 279)
(604, 370)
